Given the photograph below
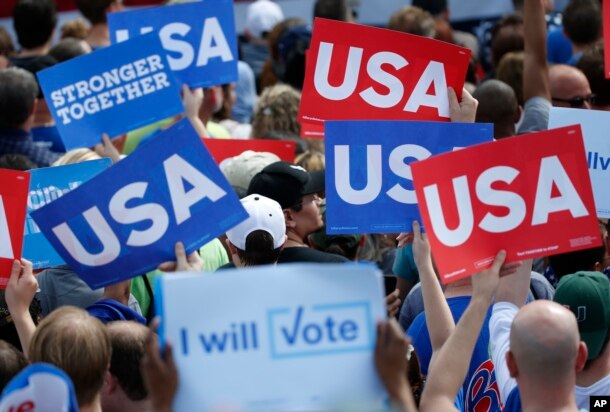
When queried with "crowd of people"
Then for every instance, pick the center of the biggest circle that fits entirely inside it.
(531, 335)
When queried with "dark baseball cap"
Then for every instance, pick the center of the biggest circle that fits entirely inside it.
(286, 183)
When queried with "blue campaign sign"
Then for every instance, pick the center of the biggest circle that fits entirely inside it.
(369, 187)
(46, 185)
(113, 91)
(126, 221)
(199, 38)
(301, 338)
(50, 135)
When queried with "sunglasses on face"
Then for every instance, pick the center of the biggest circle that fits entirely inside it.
(578, 101)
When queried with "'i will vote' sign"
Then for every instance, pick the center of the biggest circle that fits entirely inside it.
(301, 338)
(113, 91)
(530, 195)
(199, 38)
(126, 220)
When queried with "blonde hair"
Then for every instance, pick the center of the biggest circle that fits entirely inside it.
(413, 20)
(311, 161)
(277, 112)
(76, 156)
(77, 343)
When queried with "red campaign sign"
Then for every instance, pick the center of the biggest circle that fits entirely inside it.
(312, 130)
(530, 195)
(222, 149)
(13, 202)
(356, 72)
(606, 20)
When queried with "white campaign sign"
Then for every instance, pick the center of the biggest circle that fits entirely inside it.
(292, 337)
(595, 125)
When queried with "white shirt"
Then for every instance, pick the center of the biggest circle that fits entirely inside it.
(502, 316)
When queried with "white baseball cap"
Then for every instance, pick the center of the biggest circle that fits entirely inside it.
(262, 16)
(265, 214)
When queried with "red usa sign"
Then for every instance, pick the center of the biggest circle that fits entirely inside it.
(359, 72)
(530, 195)
(221, 149)
(13, 202)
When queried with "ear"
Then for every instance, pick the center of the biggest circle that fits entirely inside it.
(290, 222)
(518, 113)
(581, 356)
(231, 247)
(110, 383)
(512, 365)
(598, 267)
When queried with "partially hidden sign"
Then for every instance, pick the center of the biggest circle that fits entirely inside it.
(13, 201)
(222, 149)
(594, 124)
(530, 195)
(301, 339)
(47, 185)
(114, 90)
(126, 220)
(369, 187)
(199, 38)
(360, 72)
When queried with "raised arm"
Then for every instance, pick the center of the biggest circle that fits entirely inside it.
(535, 70)
(20, 292)
(448, 371)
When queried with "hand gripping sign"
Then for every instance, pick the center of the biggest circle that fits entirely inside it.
(113, 91)
(300, 338)
(369, 186)
(13, 201)
(530, 195)
(199, 38)
(126, 220)
(360, 72)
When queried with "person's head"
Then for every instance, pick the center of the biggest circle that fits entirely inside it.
(18, 91)
(311, 160)
(74, 29)
(95, 10)
(124, 384)
(572, 262)
(239, 170)
(587, 295)
(437, 8)
(498, 105)
(258, 240)
(16, 162)
(545, 346)
(79, 345)
(413, 20)
(347, 246)
(228, 101)
(292, 46)
(12, 361)
(340, 10)
(569, 87)
(34, 22)
(76, 156)
(212, 102)
(261, 17)
(506, 36)
(592, 65)
(69, 48)
(295, 190)
(582, 21)
(7, 48)
(277, 111)
(510, 71)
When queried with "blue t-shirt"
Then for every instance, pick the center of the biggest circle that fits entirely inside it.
(513, 402)
(480, 389)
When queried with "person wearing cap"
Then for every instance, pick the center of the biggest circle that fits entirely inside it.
(259, 239)
(239, 170)
(587, 295)
(296, 191)
(261, 17)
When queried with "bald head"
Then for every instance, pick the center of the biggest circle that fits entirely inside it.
(544, 341)
(128, 340)
(568, 83)
(497, 105)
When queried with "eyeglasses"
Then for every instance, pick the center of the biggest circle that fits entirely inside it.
(578, 101)
(314, 198)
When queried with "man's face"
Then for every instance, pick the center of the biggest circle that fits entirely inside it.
(309, 218)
